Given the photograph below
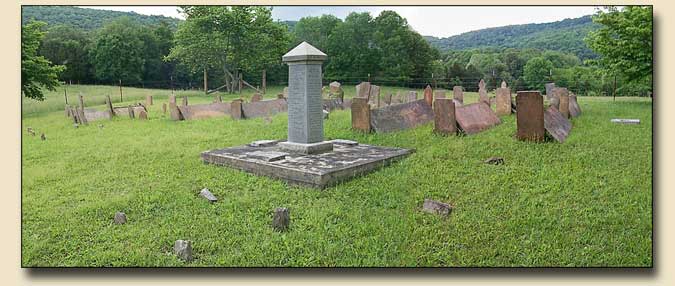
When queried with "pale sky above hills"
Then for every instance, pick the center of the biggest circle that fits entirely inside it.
(439, 21)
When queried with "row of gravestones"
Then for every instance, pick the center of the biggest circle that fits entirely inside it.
(81, 115)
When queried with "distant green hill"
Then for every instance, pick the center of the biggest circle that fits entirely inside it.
(566, 36)
(87, 19)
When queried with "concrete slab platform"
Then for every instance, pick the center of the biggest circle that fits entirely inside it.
(322, 170)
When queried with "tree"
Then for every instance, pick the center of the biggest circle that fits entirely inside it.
(624, 42)
(315, 30)
(236, 39)
(66, 45)
(118, 52)
(36, 71)
(536, 72)
(351, 47)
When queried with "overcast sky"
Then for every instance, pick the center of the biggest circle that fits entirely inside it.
(439, 21)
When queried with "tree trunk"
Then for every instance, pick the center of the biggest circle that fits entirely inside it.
(206, 86)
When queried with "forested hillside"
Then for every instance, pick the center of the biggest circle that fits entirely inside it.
(86, 19)
(565, 36)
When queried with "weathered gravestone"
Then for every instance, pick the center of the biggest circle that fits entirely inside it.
(575, 110)
(439, 93)
(285, 92)
(142, 115)
(172, 99)
(412, 96)
(265, 108)
(369, 91)
(164, 108)
(236, 109)
(174, 112)
(482, 93)
(281, 219)
(549, 90)
(120, 218)
(130, 110)
(530, 116)
(563, 96)
(556, 124)
(148, 100)
(388, 99)
(458, 94)
(360, 114)
(429, 95)
(80, 111)
(475, 117)
(444, 116)
(256, 97)
(334, 87)
(185, 101)
(332, 104)
(94, 115)
(109, 106)
(436, 207)
(401, 116)
(503, 100)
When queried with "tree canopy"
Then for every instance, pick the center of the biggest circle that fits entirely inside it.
(36, 71)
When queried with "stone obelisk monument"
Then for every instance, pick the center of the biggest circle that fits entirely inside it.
(305, 112)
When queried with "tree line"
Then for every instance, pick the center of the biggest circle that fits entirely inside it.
(225, 43)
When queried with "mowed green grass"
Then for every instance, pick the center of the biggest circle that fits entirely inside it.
(587, 202)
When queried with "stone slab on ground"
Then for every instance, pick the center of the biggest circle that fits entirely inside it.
(316, 170)
(436, 207)
(625, 121)
(263, 108)
(556, 124)
(401, 116)
(93, 114)
(475, 117)
(205, 193)
(202, 111)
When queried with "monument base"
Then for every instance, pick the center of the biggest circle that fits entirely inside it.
(346, 160)
(310, 148)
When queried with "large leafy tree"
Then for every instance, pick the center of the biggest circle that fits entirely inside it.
(36, 71)
(118, 52)
(537, 72)
(235, 39)
(67, 45)
(624, 42)
(352, 49)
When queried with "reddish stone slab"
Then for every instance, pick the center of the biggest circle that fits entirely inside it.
(428, 95)
(264, 108)
(143, 115)
(360, 114)
(503, 101)
(401, 116)
(564, 107)
(530, 116)
(93, 114)
(202, 111)
(444, 116)
(256, 97)
(556, 124)
(174, 112)
(575, 110)
(475, 117)
(458, 94)
(236, 110)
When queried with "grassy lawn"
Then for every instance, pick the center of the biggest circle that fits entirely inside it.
(587, 202)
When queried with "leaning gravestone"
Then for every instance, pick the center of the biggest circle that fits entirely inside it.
(482, 93)
(556, 124)
(530, 116)
(458, 94)
(444, 116)
(549, 90)
(400, 116)
(475, 117)
(429, 95)
(503, 100)
(305, 159)
(575, 110)
(564, 107)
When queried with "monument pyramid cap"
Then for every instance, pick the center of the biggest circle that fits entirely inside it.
(304, 52)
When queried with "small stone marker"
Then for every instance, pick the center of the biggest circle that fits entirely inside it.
(458, 94)
(360, 114)
(120, 218)
(564, 106)
(185, 101)
(444, 116)
(435, 207)
(236, 109)
(164, 108)
(503, 84)
(439, 93)
(549, 90)
(281, 219)
(428, 95)
(256, 97)
(556, 124)
(205, 193)
(575, 110)
(148, 100)
(530, 116)
(43, 137)
(494, 161)
(626, 121)
(183, 249)
(174, 111)
(503, 100)
(482, 93)
(143, 115)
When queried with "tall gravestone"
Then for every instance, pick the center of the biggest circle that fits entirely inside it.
(482, 92)
(530, 116)
(305, 112)
(428, 95)
(503, 100)
(458, 94)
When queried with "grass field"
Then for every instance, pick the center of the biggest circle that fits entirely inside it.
(587, 202)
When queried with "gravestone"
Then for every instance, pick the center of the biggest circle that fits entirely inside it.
(172, 99)
(264, 108)
(205, 193)
(143, 115)
(236, 109)
(164, 108)
(387, 99)
(218, 99)
(575, 110)
(174, 112)
(428, 95)
(400, 116)
(458, 94)
(556, 124)
(285, 92)
(256, 97)
(120, 218)
(363, 90)
(444, 116)
(281, 219)
(482, 93)
(109, 105)
(503, 84)
(185, 101)
(564, 106)
(503, 100)
(360, 114)
(94, 115)
(436, 207)
(148, 100)
(335, 87)
(530, 116)
(549, 90)
(439, 93)
(183, 249)
(475, 117)
(305, 112)
(332, 104)
(412, 96)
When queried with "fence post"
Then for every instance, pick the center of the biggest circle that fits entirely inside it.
(65, 93)
(264, 81)
(121, 90)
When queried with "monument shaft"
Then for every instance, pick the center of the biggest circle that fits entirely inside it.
(305, 113)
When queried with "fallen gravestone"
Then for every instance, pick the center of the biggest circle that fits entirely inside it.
(458, 94)
(183, 249)
(435, 207)
(475, 117)
(575, 110)
(360, 114)
(444, 116)
(503, 100)
(556, 124)
(263, 108)
(428, 95)
(202, 111)
(530, 116)
(120, 218)
(130, 110)
(205, 193)
(281, 219)
(401, 116)
(626, 121)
